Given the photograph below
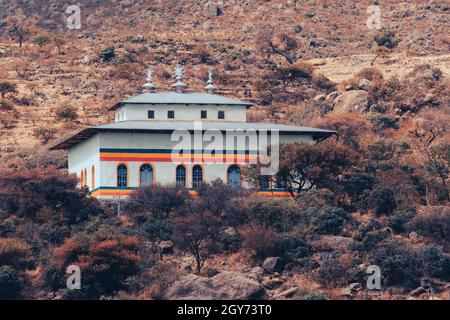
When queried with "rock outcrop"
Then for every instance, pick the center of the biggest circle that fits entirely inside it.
(223, 286)
(272, 264)
(353, 100)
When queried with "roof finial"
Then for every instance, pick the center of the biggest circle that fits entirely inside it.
(179, 86)
(209, 85)
(148, 86)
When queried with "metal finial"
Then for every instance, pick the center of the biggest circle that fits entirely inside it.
(148, 86)
(179, 86)
(209, 84)
(178, 71)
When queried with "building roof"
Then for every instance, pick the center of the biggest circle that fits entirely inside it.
(170, 126)
(201, 98)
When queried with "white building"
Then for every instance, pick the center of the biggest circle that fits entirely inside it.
(138, 148)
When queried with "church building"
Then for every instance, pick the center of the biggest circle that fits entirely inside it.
(137, 149)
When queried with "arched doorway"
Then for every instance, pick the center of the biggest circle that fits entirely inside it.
(145, 175)
(234, 176)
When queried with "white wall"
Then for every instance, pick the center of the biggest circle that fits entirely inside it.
(83, 156)
(87, 154)
(182, 112)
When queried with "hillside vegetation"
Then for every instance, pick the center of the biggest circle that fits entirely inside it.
(381, 189)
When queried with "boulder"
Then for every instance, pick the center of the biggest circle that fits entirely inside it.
(211, 272)
(257, 273)
(413, 236)
(272, 282)
(364, 84)
(418, 291)
(331, 96)
(351, 290)
(353, 100)
(320, 97)
(272, 264)
(166, 247)
(349, 87)
(286, 294)
(227, 285)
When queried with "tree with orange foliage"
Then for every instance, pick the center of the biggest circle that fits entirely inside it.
(25, 193)
(351, 128)
(105, 263)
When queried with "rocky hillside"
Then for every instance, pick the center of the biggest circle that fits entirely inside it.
(58, 68)
(381, 189)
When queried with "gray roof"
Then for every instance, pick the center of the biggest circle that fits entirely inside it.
(206, 125)
(170, 126)
(181, 98)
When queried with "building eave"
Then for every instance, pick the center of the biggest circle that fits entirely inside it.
(92, 131)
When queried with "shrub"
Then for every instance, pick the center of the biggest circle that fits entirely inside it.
(433, 224)
(107, 54)
(6, 105)
(157, 200)
(155, 228)
(263, 240)
(293, 246)
(105, 264)
(53, 278)
(277, 213)
(153, 207)
(357, 183)
(339, 270)
(215, 196)
(383, 122)
(11, 283)
(66, 112)
(42, 40)
(162, 275)
(370, 241)
(230, 241)
(436, 264)
(57, 193)
(331, 272)
(371, 225)
(400, 266)
(7, 87)
(16, 253)
(9, 226)
(402, 216)
(315, 199)
(386, 39)
(381, 200)
(324, 83)
(328, 220)
(44, 134)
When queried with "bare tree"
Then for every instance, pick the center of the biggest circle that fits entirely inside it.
(19, 28)
(281, 44)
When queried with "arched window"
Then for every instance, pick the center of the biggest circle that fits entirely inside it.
(264, 182)
(197, 177)
(122, 179)
(181, 176)
(146, 175)
(93, 178)
(234, 175)
(281, 183)
(82, 179)
(85, 178)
